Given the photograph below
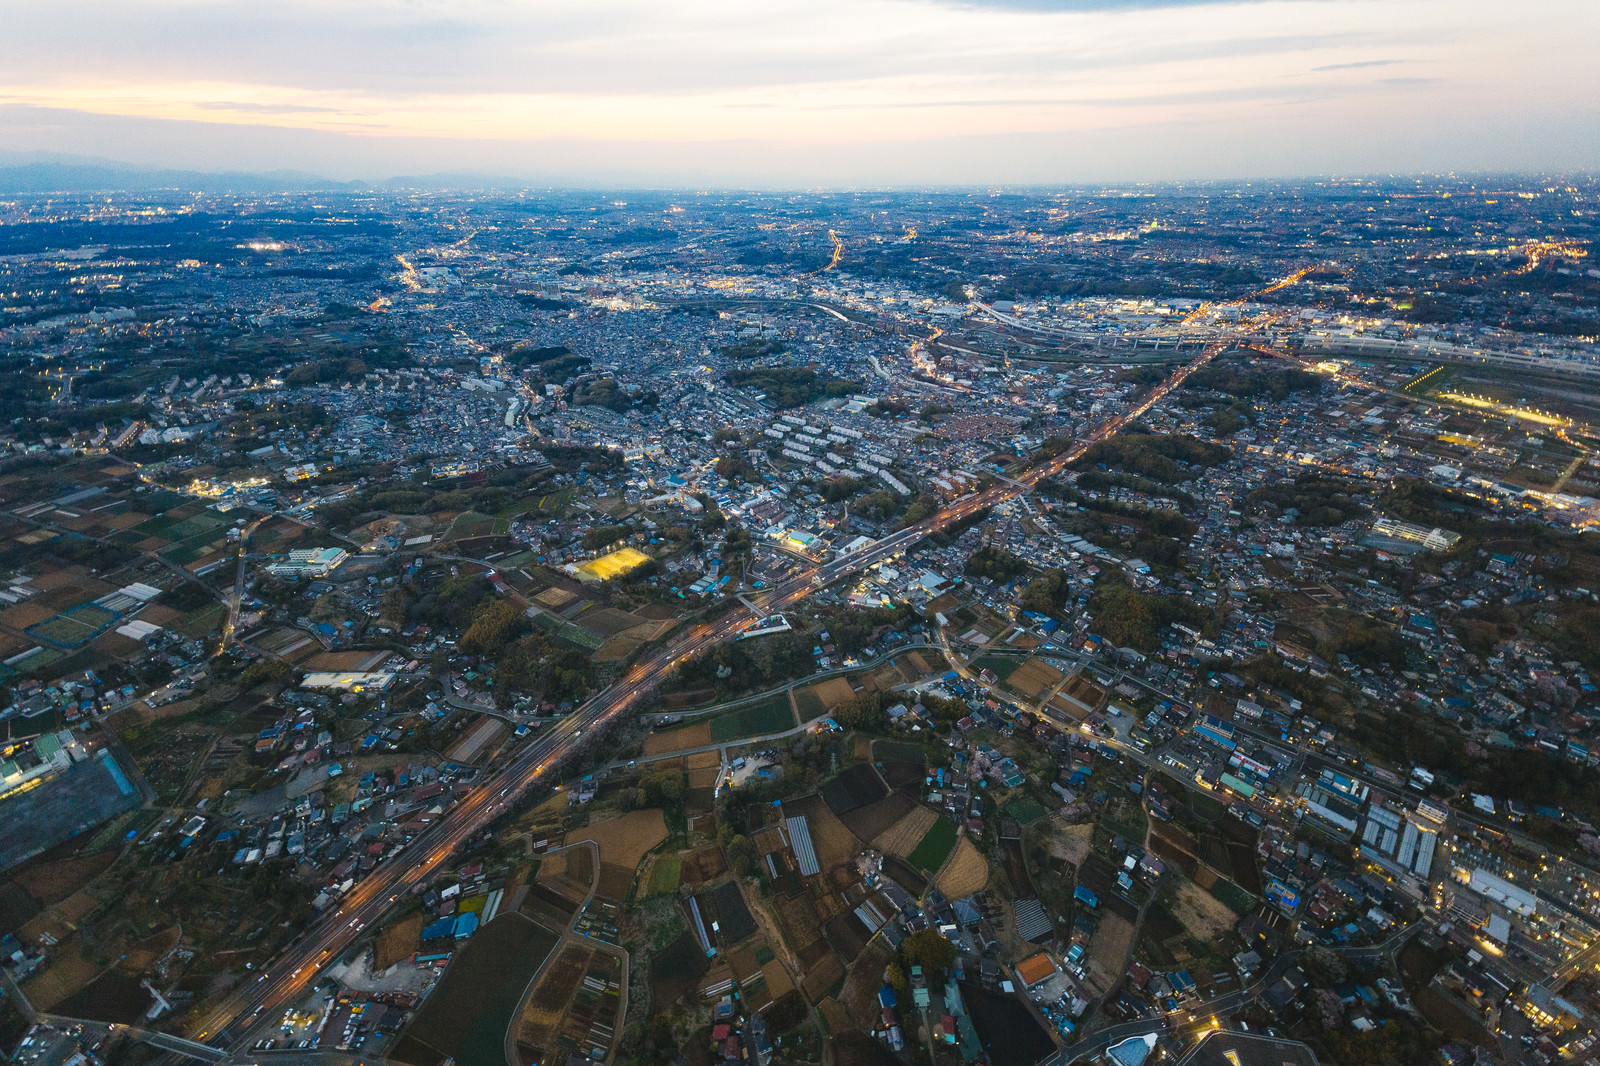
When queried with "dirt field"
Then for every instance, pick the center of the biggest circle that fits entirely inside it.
(661, 741)
(1202, 913)
(624, 841)
(1085, 692)
(874, 819)
(569, 873)
(1108, 951)
(61, 919)
(1070, 843)
(832, 840)
(702, 760)
(916, 664)
(779, 983)
(821, 977)
(834, 691)
(702, 865)
(397, 942)
(1034, 679)
(61, 977)
(467, 1016)
(52, 882)
(903, 837)
(965, 873)
(860, 993)
(616, 882)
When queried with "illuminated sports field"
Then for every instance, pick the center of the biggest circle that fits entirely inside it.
(613, 565)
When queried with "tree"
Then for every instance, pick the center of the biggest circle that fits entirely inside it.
(930, 951)
(492, 629)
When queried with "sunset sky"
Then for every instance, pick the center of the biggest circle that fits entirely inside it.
(778, 92)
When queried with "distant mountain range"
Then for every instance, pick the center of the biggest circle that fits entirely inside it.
(30, 176)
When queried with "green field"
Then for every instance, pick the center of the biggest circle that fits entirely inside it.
(204, 622)
(1002, 665)
(1026, 810)
(1205, 808)
(1233, 897)
(771, 715)
(472, 524)
(63, 630)
(809, 703)
(935, 847)
(664, 878)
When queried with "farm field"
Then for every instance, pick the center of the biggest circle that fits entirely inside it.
(665, 875)
(875, 819)
(397, 941)
(771, 715)
(808, 704)
(856, 787)
(966, 873)
(568, 873)
(578, 992)
(683, 738)
(903, 837)
(467, 1016)
(626, 839)
(935, 847)
(830, 838)
(832, 692)
(1034, 679)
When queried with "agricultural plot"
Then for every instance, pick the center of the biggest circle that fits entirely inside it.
(676, 970)
(683, 738)
(832, 692)
(1108, 951)
(624, 841)
(856, 787)
(397, 942)
(1034, 680)
(770, 715)
(860, 993)
(569, 873)
(903, 837)
(1026, 810)
(73, 627)
(935, 847)
(665, 875)
(734, 919)
(830, 838)
(467, 1016)
(1202, 914)
(808, 704)
(576, 994)
(967, 872)
(875, 819)
(1002, 666)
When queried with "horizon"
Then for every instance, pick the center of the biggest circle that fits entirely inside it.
(307, 182)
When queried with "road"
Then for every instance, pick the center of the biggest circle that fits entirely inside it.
(237, 596)
(295, 969)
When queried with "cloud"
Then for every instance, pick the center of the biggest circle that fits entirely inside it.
(1357, 65)
(250, 108)
(1057, 6)
(835, 78)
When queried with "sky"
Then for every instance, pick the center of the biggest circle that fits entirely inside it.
(801, 94)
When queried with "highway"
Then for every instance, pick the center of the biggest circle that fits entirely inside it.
(289, 975)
